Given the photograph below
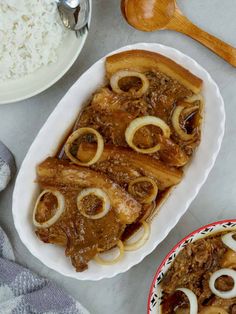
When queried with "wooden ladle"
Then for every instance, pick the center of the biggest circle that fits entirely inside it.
(151, 15)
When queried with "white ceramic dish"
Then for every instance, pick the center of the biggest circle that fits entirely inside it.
(37, 82)
(155, 293)
(62, 119)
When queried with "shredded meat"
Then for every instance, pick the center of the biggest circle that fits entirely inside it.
(110, 114)
(163, 93)
(192, 269)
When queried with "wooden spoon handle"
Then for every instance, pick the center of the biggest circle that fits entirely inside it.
(181, 24)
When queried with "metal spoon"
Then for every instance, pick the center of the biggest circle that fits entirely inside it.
(74, 14)
(72, 3)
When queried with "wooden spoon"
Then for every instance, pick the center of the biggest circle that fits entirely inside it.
(151, 15)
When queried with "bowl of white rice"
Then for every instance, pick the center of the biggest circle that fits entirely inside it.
(36, 50)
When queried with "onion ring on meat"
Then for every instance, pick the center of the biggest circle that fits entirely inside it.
(106, 204)
(192, 300)
(138, 123)
(189, 110)
(58, 213)
(102, 261)
(193, 98)
(149, 211)
(74, 136)
(116, 77)
(176, 123)
(212, 310)
(149, 198)
(223, 294)
(140, 242)
(229, 241)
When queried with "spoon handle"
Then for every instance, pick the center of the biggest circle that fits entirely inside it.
(181, 23)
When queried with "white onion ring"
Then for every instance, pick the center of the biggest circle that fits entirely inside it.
(192, 299)
(116, 77)
(140, 242)
(138, 123)
(187, 111)
(223, 294)
(106, 204)
(176, 124)
(229, 241)
(212, 310)
(77, 134)
(102, 261)
(58, 213)
(149, 211)
(150, 197)
(193, 98)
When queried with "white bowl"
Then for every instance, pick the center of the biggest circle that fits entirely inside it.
(54, 130)
(46, 76)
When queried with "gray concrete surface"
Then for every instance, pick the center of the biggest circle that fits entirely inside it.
(20, 122)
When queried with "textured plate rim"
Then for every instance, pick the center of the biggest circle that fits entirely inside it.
(193, 233)
(59, 76)
(194, 192)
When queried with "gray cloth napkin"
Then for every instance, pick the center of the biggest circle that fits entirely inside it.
(22, 291)
(7, 166)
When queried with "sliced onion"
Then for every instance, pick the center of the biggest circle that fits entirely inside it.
(58, 213)
(229, 241)
(176, 124)
(212, 310)
(189, 110)
(102, 261)
(116, 77)
(106, 204)
(193, 98)
(74, 136)
(192, 300)
(138, 123)
(223, 294)
(140, 242)
(151, 197)
(149, 211)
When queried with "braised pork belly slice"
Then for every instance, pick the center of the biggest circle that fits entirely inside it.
(123, 165)
(83, 237)
(143, 60)
(112, 125)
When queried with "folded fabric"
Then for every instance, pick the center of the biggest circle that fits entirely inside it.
(7, 166)
(23, 292)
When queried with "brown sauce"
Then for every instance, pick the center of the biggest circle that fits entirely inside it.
(46, 207)
(163, 91)
(192, 269)
(110, 114)
(91, 205)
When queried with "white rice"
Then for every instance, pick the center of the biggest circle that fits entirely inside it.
(30, 34)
